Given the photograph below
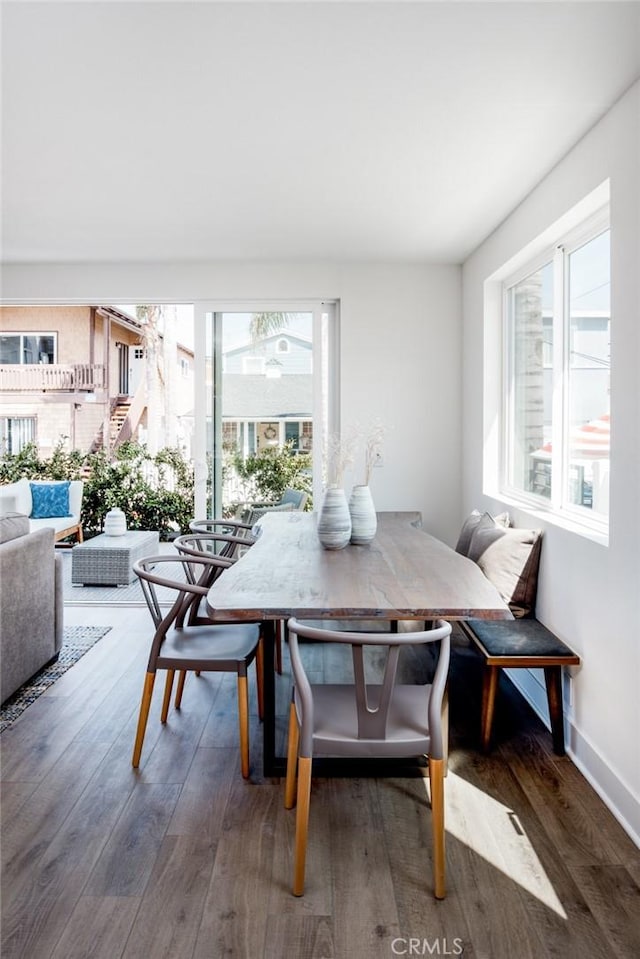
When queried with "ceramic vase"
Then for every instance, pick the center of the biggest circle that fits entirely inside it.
(334, 521)
(364, 522)
(115, 522)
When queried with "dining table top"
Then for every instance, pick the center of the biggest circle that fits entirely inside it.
(404, 573)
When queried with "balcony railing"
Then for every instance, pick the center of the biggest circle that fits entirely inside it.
(51, 377)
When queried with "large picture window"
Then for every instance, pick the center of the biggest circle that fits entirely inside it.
(557, 405)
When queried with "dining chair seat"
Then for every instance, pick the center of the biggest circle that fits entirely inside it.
(188, 647)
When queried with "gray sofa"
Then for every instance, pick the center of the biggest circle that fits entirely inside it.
(31, 602)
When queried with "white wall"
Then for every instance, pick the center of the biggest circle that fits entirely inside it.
(400, 350)
(589, 593)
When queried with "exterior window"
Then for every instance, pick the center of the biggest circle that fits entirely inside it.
(292, 434)
(557, 413)
(28, 348)
(283, 346)
(16, 432)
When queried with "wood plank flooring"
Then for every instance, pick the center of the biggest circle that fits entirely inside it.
(182, 859)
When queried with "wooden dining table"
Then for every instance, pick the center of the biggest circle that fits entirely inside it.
(403, 574)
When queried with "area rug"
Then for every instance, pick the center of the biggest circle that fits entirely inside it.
(76, 641)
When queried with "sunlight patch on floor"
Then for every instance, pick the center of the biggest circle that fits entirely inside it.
(495, 832)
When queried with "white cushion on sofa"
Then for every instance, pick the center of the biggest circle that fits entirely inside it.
(16, 498)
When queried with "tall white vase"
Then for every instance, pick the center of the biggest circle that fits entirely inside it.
(364, 522)
(334, 521)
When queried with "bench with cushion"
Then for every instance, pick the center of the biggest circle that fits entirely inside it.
(510, 558)
(51, 504)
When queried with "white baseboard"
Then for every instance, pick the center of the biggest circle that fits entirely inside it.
(614, 792)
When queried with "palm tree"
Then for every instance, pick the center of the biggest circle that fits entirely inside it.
(264, 324)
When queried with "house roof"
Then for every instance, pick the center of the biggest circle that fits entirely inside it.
(252, 396)
(304, 342)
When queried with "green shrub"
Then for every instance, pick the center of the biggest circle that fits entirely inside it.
(266, 475)
(155, 492)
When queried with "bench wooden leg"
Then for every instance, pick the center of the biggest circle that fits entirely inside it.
(553, 680)
(489, 690)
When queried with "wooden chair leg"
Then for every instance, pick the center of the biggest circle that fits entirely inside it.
(243, 715)
(292, 760)
(302, 823)
(182, 675)
(489, 690)
(260, 677)
(553, 682)
(147, 692)
(168, 686)
(436, 782)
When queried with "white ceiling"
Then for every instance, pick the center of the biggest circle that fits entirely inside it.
(189, 131)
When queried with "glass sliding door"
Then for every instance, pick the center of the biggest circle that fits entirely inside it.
(267, 396)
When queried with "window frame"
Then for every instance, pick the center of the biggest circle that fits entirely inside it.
(6, 428)
(556, 253)
(22, 335)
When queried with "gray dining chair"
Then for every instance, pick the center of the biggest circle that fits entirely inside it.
(209, 647)
(240, 537)
(366, 720)
(232, 527)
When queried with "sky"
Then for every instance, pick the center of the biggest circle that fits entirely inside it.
(236, 325)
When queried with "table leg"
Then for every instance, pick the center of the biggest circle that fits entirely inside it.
(269, 721)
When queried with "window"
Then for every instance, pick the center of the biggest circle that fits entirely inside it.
(30, 348)
(16, 432)
(557, 412)
(233, 385)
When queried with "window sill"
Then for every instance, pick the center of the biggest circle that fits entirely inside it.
(553, 518)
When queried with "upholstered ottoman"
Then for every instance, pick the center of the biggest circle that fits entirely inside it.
(108, 560)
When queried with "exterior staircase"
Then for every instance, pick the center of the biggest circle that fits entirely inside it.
(120, 408)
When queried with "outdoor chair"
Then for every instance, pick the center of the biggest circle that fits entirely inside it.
(209, 647)
(291, 499)
(366, 720)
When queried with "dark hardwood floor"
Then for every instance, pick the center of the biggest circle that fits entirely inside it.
(185, 860)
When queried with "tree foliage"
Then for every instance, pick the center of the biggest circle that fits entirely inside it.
(264, 324)
(269, 472)
(154, 491)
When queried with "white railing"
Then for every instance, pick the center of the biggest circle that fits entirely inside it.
(51, 377)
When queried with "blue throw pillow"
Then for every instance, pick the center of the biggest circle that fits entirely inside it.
(50, 499)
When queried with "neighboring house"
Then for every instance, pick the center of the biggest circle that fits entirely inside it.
(78, 373)
(268, 394)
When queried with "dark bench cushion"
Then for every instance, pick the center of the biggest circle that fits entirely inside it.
(522, 637)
